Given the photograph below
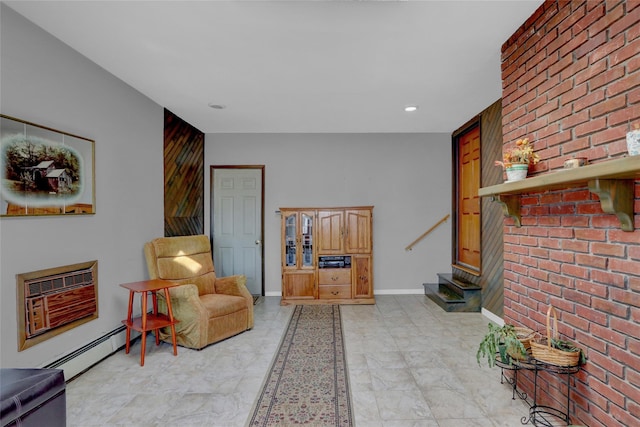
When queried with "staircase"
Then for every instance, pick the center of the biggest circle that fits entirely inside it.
(454, 294)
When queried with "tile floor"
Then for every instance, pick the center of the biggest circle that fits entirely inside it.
(410, 364)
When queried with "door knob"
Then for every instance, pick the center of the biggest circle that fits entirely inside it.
(258, 242)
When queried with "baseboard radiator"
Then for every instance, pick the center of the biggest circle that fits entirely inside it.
(83, 358)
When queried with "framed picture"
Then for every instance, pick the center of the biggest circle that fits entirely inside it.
(44, 171)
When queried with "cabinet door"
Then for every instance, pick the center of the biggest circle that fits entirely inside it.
(362, 276)
(330, 232)
(289, 240)
(298, 240)
(299, 285)
(358, 225)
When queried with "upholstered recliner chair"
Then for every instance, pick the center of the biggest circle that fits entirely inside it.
(208, 308)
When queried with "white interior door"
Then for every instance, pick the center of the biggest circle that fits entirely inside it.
(236, 224)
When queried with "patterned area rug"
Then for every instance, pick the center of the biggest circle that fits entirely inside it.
(308, 383)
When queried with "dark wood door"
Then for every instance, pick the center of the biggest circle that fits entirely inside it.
(468, 202)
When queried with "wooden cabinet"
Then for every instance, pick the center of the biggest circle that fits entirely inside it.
(312, 233)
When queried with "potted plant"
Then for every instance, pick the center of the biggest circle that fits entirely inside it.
(504, 340)
(517, 160)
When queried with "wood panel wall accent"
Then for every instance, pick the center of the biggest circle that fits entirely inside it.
(491, 273)
(183, 177)
(492, 279)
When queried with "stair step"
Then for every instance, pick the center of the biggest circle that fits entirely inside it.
(453, 298)
(458, 282)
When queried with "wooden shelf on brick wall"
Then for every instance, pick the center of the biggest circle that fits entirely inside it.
(612, 180)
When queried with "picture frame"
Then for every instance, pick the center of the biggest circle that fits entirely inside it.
(44, 171)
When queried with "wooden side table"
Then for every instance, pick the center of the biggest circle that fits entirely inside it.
(150, 322)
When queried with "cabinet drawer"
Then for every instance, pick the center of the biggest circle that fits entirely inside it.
(334, 276)
(335, 291)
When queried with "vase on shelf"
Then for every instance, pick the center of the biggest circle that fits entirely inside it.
(517, 172)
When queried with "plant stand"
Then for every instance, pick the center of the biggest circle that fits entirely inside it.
(539, 415)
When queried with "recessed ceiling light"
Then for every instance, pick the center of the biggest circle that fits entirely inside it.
(410, 108)
(217, 106)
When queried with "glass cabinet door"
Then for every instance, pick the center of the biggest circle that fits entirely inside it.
(290, 240)
(307, 240)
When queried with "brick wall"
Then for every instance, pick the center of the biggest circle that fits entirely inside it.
(571, 84)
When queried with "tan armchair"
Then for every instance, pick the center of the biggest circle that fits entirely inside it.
(208, 308)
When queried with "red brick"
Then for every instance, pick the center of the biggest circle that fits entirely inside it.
(576, 41)
(589, 208)
(627, 21)
(603, 23)
(595, 69)
(575, 222)
(575, 145)
(610, 307)
(586, 101)
(592, 288)
(625, 116)
(590, 45)
(604, 51)
(575, 271)
(575, 119)
(608, 278)
(606, 77)
(570, 21)
(592, 261)
(623, 84)
(606, 362)
(625, 297)
(552, 82)
(619, 236)
(591, 235)
(607, 249)
(627, 416)
(625, 53)
(627, 267)
(591, 126)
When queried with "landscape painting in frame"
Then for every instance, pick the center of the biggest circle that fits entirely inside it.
(44, 171)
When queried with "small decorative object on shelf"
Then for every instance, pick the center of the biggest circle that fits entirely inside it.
(633, 141)
(509, 341)
(517, 160)
(576, 162)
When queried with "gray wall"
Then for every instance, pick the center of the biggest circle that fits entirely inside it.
(406, 177)
(46, 82)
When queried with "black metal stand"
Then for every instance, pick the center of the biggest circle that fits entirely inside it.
(539, 415)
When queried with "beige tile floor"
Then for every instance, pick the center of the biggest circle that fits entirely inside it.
(410, 364)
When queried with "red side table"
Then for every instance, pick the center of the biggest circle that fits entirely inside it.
(150, 322)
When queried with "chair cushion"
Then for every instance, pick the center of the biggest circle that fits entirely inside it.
(220, 305)
(186, 259)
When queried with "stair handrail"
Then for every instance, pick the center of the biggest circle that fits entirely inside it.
(423, 235)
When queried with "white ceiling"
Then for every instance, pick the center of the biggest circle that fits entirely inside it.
(297, 66)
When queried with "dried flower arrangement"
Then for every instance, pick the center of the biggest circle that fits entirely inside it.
(522, 153)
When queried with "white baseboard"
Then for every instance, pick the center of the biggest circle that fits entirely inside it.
(417, 291)
(493, 317)
(76, 362)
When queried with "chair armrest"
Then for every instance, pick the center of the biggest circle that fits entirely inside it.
(236, 285)
(185, 303)
(232, 285)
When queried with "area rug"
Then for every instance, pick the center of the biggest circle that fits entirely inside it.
(308, 382)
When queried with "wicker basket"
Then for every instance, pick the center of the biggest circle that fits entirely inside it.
(525, 335)
(541, 346)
